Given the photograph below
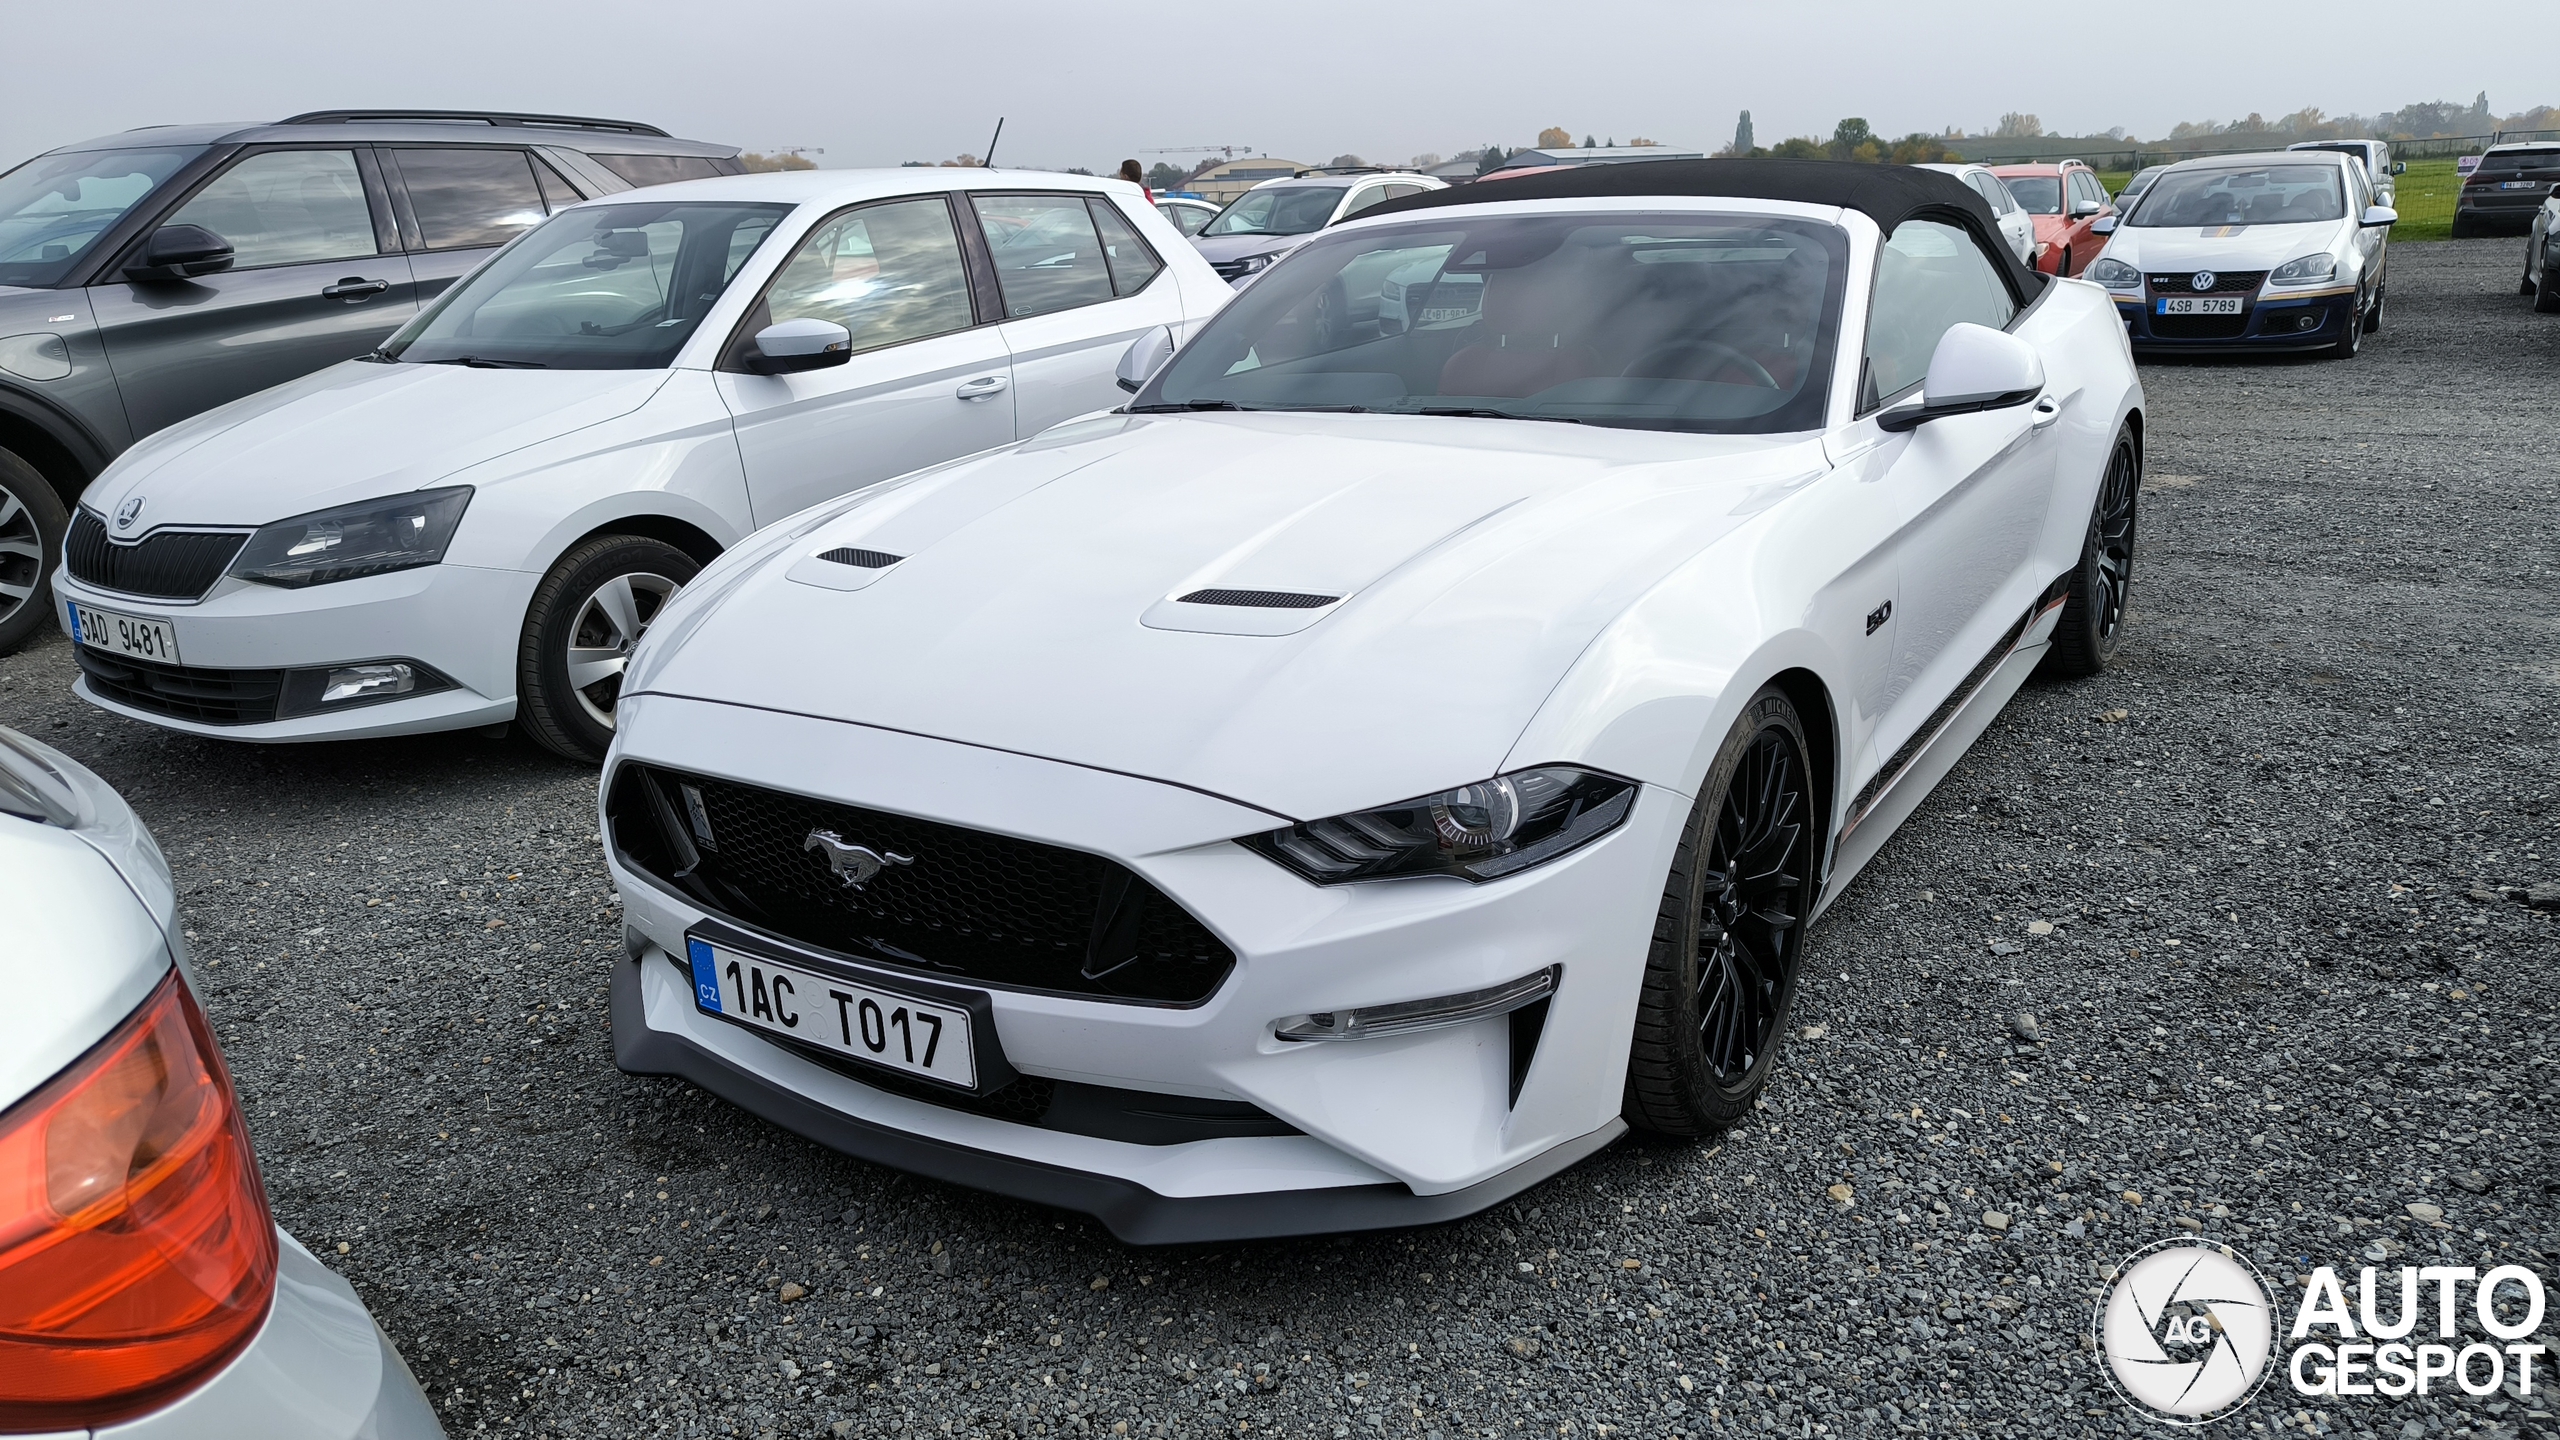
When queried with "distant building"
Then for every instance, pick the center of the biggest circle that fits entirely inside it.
(1224, 181)
(1597, 155)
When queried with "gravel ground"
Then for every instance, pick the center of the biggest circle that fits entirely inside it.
(2262, 889)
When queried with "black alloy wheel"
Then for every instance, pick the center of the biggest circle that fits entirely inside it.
(2373, 317)
(1729, 936)
(2093, 610)
(32, 522)
(2351, 344)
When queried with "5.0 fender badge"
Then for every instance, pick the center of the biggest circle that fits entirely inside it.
(855, 865)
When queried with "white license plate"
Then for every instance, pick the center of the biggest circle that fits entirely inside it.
(123, 634)
(2199, 304)
(897, 1031)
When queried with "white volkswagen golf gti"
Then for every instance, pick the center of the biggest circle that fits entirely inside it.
(476, 522)
(1376, 769)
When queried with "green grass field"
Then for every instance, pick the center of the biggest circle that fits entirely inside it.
(2425, 193)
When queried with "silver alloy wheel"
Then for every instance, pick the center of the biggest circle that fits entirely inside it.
(21, 554)
(610, 622)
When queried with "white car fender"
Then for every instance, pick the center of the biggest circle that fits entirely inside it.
(2090, 378)
(674, 457)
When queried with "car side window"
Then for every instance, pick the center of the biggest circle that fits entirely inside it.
(1988, 186)
(1047, 255)
(557, 192)
(464, 199)
(1929, 276)
(1131, 261)
(286, 207)
(1398, 192)
(886, 273)
(1366, 197)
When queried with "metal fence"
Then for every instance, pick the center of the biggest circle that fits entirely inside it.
(2136, 158)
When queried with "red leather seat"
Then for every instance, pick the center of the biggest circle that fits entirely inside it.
(1520, 347)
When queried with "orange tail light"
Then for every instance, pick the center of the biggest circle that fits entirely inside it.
(136, 1252)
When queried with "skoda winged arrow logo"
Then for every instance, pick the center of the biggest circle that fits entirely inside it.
(855, 865)
(128, 512)
(2202, 280)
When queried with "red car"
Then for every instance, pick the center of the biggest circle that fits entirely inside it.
(2066, 199)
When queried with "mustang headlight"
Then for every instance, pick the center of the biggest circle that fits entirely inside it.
(2309, 270)
(371, 538)
(1477, 832)
(2114, 274)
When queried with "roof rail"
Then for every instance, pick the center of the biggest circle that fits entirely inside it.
(1345, 170)
(517, 118)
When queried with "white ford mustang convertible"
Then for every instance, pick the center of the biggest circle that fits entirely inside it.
(1382, 763)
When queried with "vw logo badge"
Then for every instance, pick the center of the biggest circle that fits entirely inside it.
(2202, 279)
(128, 512)
(855, 865)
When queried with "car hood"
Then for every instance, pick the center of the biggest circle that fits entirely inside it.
(352, 432)
(2222, 247)
(1214, 248)
(1035, 607)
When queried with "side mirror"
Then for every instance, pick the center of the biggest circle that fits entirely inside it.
(2379, 215)
(1144, 357)
(796, 345)
(1974, 368)
(180, 252)
(2080, 208)
(2103, 225)
(2399, 167)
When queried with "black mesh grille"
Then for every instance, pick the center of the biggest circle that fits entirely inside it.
(1228, 269)
(211, 697)
(867, 559)
(165, 565)
(2225, 282)
(1259, 599)
(2198, 327)
(965, 903)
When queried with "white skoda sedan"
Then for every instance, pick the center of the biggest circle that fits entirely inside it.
(476, 522)
(1378, 767)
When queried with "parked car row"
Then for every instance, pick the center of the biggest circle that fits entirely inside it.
(984, 611)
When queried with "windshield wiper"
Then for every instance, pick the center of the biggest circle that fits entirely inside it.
(1180, 405)
(1478, 412)
(482, 362)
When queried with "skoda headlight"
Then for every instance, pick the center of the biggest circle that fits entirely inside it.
(2114, 274)
(2309, 270)
(1476, 832)
(372, 538)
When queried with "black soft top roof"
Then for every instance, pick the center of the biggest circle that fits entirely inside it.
(1886, 194)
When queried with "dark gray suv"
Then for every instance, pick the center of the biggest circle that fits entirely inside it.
(147, 276)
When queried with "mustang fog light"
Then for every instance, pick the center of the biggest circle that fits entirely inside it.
(368, 682)
(1407, 1016)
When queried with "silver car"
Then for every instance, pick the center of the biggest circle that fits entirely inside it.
(1277, 216)
(145, 1291)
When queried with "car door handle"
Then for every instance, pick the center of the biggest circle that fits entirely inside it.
(2047, 411)
(982, 387)
(354, 288)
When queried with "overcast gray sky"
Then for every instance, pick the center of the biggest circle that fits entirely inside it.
(1086, 85)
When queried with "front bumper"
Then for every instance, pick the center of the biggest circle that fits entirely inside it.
(320, 1369)
(2266, 323)
(460, 621)
(1394, 1130)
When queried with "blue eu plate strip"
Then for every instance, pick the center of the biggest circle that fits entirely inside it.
(74, 612)
(706, 975)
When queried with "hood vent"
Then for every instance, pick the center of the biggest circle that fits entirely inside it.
(867, 559)
(1258, 599)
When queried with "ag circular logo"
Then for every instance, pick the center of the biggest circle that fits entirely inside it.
(2202, 279)
(2187, 1330)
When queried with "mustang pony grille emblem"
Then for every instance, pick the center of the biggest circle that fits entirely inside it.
(855, 865)
(2202, 279)
(128, 512)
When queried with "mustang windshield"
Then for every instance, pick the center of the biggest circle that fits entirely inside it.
(1666, 322)
(2265, 195)
(601, 287)
(1280, 210)
(54, 207)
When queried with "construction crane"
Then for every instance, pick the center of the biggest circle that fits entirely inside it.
(1229, 151)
